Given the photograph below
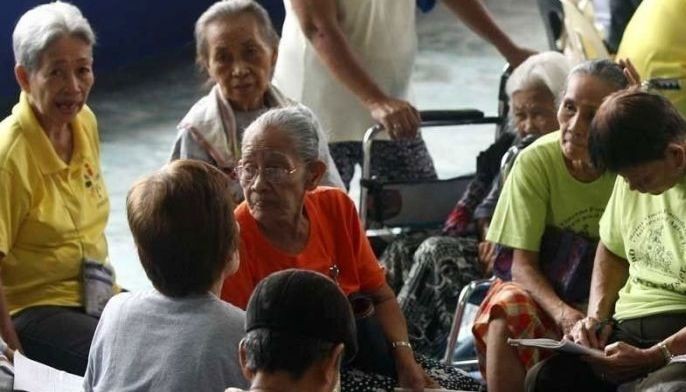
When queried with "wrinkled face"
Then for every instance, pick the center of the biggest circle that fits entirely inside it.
(265, 153)
(581, 100)
(59, 87)
(533, 111)
(657, 176)
(240, 60)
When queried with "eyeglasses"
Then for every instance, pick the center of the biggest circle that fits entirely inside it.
(274, 175)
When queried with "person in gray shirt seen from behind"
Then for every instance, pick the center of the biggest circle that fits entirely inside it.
(178, 336)
(299, 330)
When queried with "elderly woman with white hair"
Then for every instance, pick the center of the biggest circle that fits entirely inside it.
(288, 221)
(236, 45)
(429, 273)
(53, 203)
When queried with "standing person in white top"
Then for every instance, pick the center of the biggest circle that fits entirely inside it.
(350, 61)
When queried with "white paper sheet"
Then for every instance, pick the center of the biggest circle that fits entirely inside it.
(33, 376)
(563, 345)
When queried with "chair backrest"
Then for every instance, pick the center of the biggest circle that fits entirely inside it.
(583, 39)
(553, 18)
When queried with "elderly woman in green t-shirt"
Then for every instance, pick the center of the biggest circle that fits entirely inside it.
(637, 305)
(552, 187)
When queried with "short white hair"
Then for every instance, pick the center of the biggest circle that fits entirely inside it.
(42, 25)
(298, 122)
(547, 69)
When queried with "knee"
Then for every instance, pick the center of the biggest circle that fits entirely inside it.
(671, 378)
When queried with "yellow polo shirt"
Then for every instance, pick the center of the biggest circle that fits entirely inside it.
(655, 41)
(52, 214)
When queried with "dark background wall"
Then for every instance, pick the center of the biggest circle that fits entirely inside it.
(128, 32)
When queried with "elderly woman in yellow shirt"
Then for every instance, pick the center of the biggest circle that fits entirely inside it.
(54, 274)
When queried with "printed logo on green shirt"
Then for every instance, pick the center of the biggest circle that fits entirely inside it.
(651, 245)
(584, 221)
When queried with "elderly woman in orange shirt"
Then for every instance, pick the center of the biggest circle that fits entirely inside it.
(287, 221)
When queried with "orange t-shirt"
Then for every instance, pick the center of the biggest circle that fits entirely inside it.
(336, 237)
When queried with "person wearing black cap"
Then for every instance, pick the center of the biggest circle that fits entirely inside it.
(299, 329)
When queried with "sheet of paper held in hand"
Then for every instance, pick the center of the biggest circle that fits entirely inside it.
(33, 376)
(563, 346)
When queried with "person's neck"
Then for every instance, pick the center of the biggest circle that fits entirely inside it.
(216, 288)
(583, 171)
(289, 232)
(281, 382)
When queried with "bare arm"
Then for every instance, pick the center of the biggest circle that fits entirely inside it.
(622, 361)
(393, 323)
(527, 272)
(479, 20)
(6, 326)
(610, 272)
(319, 22)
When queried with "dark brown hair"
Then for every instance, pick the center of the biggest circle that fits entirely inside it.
(633, 127)
(182, 222)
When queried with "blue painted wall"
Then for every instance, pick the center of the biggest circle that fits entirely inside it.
(128, 31)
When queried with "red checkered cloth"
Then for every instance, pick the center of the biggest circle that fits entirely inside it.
(525, 319)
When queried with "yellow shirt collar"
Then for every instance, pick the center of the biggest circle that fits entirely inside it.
(41, 147)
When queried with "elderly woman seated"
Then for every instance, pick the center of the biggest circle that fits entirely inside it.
(236, 45)
(637, 306)
(53, 204)
(547, 217)
(287, 221)
(429, 276)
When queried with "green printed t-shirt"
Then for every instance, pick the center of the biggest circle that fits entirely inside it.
(649, 231)
(540, 192)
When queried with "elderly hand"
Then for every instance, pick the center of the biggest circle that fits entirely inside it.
(400, 119)
(566, 317)
(623, 362)
(590, 332)
(516, 55)
(630, 72)
(410, 374)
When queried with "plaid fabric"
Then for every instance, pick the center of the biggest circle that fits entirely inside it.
(525, 319)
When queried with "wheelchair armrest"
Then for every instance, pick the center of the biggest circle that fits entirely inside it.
(462, 301)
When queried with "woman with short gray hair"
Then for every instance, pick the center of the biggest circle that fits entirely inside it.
(288, 221)
(55, 275)
(236, 46)
(429, 273)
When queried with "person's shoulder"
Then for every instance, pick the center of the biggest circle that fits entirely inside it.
(115, 306)
(242, 212)
(541, 152)
(224, 318)
(199, 113)
(329, 193)
(87, 117)
(330, 199)
(230, 311)
(11, 139)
